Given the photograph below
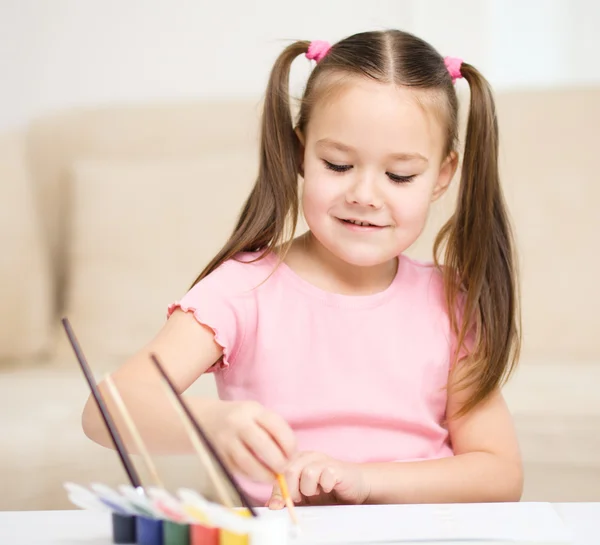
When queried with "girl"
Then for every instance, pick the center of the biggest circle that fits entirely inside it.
(362, 374)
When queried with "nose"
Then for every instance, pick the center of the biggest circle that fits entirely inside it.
(364, 192)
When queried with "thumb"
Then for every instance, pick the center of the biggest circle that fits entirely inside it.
(276, 500)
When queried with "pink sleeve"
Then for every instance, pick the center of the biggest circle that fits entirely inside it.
(213, 307)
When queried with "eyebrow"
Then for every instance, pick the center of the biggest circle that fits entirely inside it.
(397, 156)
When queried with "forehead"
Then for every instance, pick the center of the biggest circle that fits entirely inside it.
(379, 118)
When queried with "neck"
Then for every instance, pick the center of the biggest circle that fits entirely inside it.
(318, 265)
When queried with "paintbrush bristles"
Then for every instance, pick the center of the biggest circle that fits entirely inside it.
(135, 434)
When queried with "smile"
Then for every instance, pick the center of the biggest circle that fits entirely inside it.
(358, 225)
(363, 223)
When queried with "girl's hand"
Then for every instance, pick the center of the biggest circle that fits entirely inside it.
(252, 440)
(316, 479)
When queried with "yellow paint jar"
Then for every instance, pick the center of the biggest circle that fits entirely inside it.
(227, 537)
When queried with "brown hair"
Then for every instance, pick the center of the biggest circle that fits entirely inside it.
(479, 271)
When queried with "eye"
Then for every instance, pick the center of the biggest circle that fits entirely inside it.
(336, 168)
(400, 179)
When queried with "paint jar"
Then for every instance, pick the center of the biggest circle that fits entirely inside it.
(175, 533)
(149, 531)
(227, 537)
(204, 535)
(123, 528)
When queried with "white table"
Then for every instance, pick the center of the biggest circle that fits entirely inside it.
(88, 528)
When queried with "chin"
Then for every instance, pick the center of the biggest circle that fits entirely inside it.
(363, 257)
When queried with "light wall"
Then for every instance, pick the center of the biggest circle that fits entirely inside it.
(61, 53)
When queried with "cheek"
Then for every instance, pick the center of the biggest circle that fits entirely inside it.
(314, 204)
(411, 207)
(319, 193)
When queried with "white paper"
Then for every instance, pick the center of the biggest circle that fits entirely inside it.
(498, 522)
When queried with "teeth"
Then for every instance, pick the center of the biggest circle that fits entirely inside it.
(363, 223)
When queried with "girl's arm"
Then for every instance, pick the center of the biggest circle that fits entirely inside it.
(486, 466)
(187, 349)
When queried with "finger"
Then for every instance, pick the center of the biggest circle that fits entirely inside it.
(279, 430)
(292, 476)
(328, 480)
(276, 501)
(310, 478)
(294, 471)
(246, 462)
(265, 448)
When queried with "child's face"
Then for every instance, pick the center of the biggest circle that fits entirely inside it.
(373, 154)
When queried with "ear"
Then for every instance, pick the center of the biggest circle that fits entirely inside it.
(447, 171)
(300, 137)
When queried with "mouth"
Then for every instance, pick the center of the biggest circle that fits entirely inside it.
(360, 226)
(359, 223)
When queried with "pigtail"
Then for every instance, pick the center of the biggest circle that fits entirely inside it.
(480, 271)
(271, 210)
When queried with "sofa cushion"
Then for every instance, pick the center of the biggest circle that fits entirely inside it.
(556, 409)
(26, 288)
(549, 177)
(548, 162)
(159, 130)
(141, 231)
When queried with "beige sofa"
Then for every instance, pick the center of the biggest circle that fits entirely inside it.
(108, 214)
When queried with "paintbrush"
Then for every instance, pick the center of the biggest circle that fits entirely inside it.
(135, 434)
(178, 401)
(159, 495)
(130, 470)
(286, 497)
(202, 453)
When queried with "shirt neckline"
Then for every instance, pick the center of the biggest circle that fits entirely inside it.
(338, 299)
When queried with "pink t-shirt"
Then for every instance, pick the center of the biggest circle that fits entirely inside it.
(360, 378)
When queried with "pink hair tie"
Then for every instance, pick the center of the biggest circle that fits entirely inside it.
(453, 65)
(317, 50)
